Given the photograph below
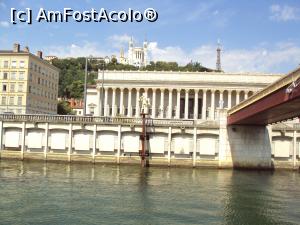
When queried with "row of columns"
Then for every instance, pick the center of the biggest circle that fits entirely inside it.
(170, 102)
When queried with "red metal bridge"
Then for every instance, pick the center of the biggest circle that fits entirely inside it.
(278, 102)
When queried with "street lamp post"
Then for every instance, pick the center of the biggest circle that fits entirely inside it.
(85, 83)
(102, 90)
(85, 87)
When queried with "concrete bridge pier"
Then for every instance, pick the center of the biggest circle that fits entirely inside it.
(243, 146)
(250, 146)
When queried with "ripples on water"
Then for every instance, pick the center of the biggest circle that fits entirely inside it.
(40, 193)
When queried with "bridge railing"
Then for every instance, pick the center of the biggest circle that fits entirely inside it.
(105, 120)
(282, 82)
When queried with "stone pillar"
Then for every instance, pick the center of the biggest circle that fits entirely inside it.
(94, 142)
(204, 105)
(195, 147)
(1, 136)
(196, 104)
(121, 102)
(294, 149)
(154, 103)
(178, 104)
(221, 99)
(98, 111)
(162, 103)
(106, 106)
(186, 104)
(229, 99)
(169, 145)
(129, 111)
(46, 141)
(137, 103)
(23, 139)
(225, 159)
(170, 104)
(114, 102)
(237, 97)
(212, 105)
(246, 94)
(119, 143)
(70, 142)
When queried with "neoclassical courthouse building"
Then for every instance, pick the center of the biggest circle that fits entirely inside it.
(173, 95)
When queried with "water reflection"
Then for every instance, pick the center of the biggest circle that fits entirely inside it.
(250, 200)
(58, 193)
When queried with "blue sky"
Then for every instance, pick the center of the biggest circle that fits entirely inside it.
(261, 36)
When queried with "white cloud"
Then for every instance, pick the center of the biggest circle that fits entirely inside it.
(78, 50)
(4, 24)
(119, 41)
(284, 13)
(280, 58)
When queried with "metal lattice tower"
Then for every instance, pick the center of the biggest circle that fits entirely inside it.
(218, 64)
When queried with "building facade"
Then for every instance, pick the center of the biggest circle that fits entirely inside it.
(173, 95)
(29, 84)
(193, 132)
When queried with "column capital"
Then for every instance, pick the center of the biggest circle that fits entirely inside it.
(162, 89)
(170, 89)
(204, 90)
(221, 91)
(237, 91)
(178, 90)
(186, 90)
(114, 88)
(196, 90)
(229, 91)
(213, 90)
(129, 89)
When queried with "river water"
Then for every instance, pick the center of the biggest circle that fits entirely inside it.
(40, 193)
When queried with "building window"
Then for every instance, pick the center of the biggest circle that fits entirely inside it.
(11, 100)
(3, 100)
(39, 80)
(4, 87)
(30, 77)
(29, 89)
(20, 88)
(22, 64)
(19, 100)
(13, 75)
(35, 67)
(12, 87)
(13, 64)
(21, 75)
(5, 75)
(5, 64)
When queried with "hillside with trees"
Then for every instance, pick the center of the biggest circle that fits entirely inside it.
(72, 71)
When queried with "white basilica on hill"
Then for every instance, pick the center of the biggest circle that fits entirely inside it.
(137, 56)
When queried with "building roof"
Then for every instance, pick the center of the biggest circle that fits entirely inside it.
(21, 52)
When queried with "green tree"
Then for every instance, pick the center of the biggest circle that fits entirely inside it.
(63, 108)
